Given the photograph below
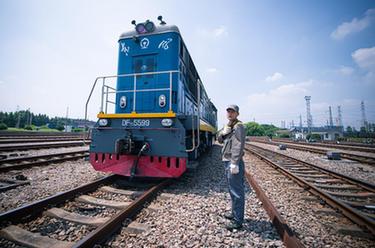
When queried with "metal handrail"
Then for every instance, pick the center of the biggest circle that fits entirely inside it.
(199, 120)
(105, 92)
(193, 135)
(134, 88)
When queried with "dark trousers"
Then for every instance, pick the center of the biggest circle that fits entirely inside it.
(236, 191)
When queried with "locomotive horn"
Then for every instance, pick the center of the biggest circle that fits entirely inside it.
(160, 18)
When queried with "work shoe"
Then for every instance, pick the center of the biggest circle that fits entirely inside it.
(228, 216)
(233, 225)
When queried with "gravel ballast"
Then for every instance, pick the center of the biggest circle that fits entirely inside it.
(302, 210)
(46, 181)
(347, 167)
(192, 216)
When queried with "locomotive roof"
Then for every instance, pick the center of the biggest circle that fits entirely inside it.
(158, 30)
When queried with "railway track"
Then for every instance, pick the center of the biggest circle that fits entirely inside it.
(15, 226)
(23, 162)
(40, 134)
(43, 145)
(360, 148)
(8, 184)
(31, 140)
(285, 232)
(352, 197)
(362, 158)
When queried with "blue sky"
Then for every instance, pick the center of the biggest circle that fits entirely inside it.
(264, 56)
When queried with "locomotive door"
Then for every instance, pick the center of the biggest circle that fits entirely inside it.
(145, 101)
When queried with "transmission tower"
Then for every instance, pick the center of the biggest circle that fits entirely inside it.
(364, 120)
(308, 112)
(330, 116)
(339, 116)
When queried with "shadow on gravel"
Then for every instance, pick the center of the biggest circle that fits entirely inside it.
(251, 225)
(207, 178)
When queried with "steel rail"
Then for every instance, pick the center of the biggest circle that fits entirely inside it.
(26, 140)
(104, 231)
(361, 183)
(26, 162)
(19, 214)
(40, 146)
(356, 157)
(329, 145)
(285, 232)
(351, 213)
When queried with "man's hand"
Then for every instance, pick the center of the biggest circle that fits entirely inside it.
(234, 169)
(226, 130)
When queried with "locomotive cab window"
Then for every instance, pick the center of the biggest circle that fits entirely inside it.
(144, 64)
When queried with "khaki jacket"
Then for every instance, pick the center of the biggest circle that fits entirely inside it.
(233, 143)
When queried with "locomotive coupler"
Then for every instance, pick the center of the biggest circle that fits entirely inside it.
(133, 170)
(124, 146)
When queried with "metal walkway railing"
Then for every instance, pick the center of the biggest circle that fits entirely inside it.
(108, 90)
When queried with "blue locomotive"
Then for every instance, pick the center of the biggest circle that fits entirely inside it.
(163, 118)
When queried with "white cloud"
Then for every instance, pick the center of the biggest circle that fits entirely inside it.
(2, 82)
(365, 58)
(345, 70)
(218, 32)
(276, 104)
(212, 70)
(355, 26)
(275, 77)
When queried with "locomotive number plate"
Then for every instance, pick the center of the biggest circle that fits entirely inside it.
(135, 123)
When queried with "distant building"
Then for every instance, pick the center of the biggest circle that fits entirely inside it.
(326, 133)
(283, 132)
(78, 123)
(67, 128)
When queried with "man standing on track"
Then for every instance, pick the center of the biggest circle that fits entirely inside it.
(233, 139)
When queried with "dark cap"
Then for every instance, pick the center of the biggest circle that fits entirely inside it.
(233, 107)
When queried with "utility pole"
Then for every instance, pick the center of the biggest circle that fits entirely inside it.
(308, 112)
(300, 121)
(28, 117)
(330, 116)
(364, 120)
(18, 117)
(66, 119)
(31, 118)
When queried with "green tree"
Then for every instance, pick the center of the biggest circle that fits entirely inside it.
(3, 126)
(349, 129)
(269, 129)
(254, 129)
(60, 127)
(28, 127)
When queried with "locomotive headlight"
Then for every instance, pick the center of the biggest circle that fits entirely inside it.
(166, 122)
(140, 28)
(103, 122)
(123, 102)
(149, 26)
(162, 100)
